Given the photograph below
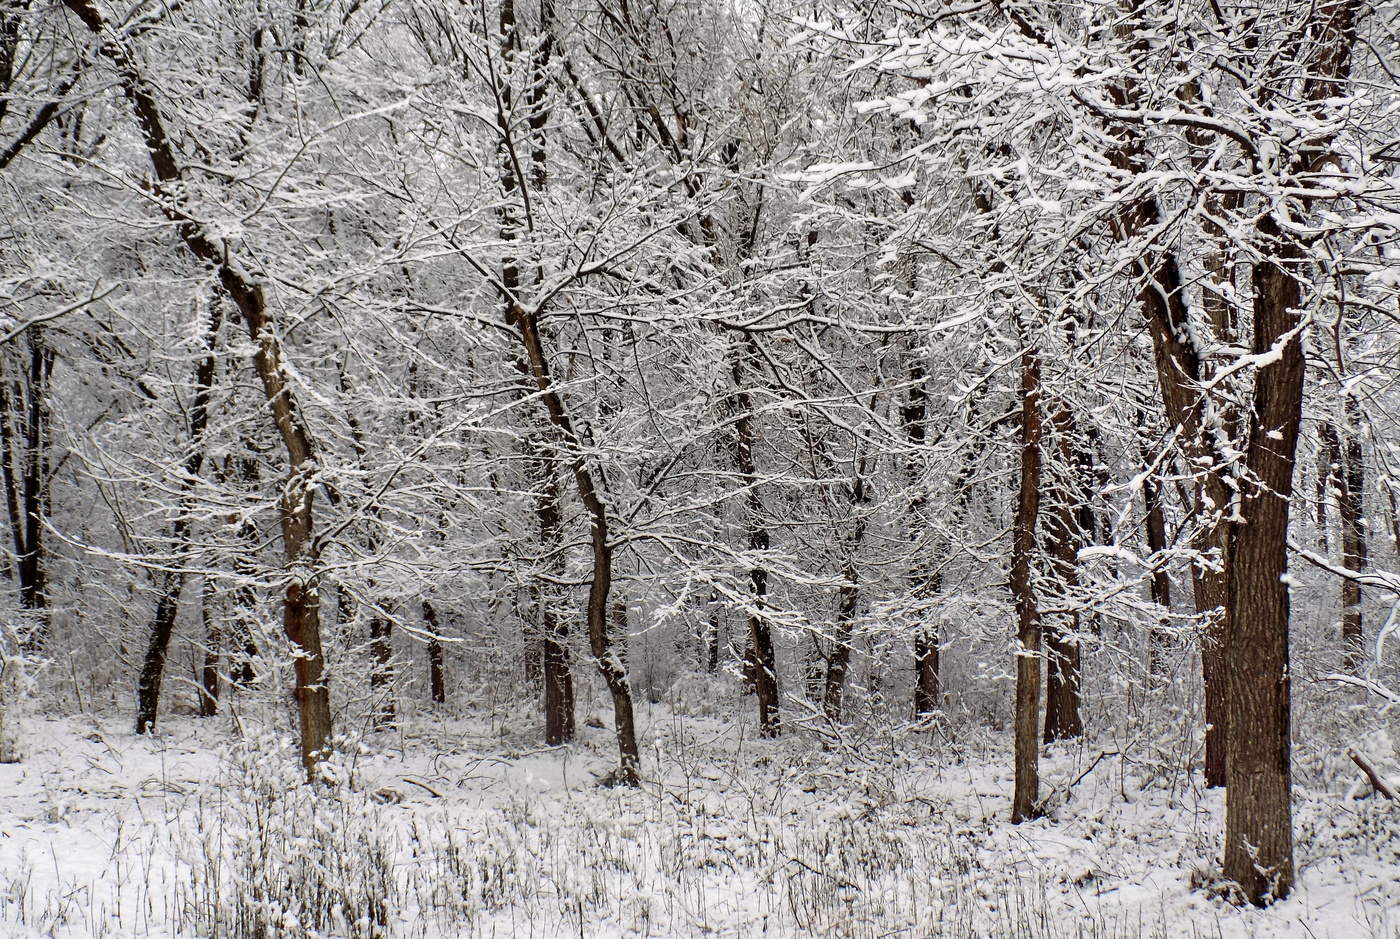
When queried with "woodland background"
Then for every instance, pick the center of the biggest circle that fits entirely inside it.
(963, 380)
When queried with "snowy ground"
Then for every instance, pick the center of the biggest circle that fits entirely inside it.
(450, 829)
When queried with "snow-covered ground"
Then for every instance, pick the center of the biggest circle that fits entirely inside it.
(452, 828)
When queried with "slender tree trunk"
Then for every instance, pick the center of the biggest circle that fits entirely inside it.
(1026, 799)
(1062, 654)
(24, 400)
(713, 638)
(926, 639)
(381, 676)
(437, 680)
(172, 581)
(1329, 477)
(839, 662)
(1155, 528)
(1352, 510)
(213, 653)
(763, 670)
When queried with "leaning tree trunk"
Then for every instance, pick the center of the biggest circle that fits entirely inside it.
(1025, 802)
(301, 602)
(605, 655)
(1258, 810)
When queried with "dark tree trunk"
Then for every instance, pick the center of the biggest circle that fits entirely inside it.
(24, 401)
(1352, 511)
(381, 676)
(153, 666)
(762, 664)
(1258, 811)
(839, 662)
(213, 653)
(713, 637)
(1025, 802)
(1155, 529)
(552, 641)
(926, 581)
(437, 679)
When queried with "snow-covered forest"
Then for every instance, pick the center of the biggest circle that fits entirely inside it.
(699, 468)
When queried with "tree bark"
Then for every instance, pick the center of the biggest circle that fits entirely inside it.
(1064, 539)
(213, 653)
(1352, 512)
(437, 680)
(1025, 802)
(839, 662)
(1155, 529)
(24, 400)
(1258, 815)
(763, 670)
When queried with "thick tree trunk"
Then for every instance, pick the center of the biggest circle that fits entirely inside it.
(1025, 802)
(1258, 813)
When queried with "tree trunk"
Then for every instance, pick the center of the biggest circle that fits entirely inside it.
(1025, 802)
(713, 629)
(172, 582)
(839, 662)
(763, 670)
(1064, 537)
(381, 676)
(301, 604)
(1352, 511)
(213, 653)
(926, 639)
(24, 400)
(1155, 525)
(437, 681)
(1258, 810)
